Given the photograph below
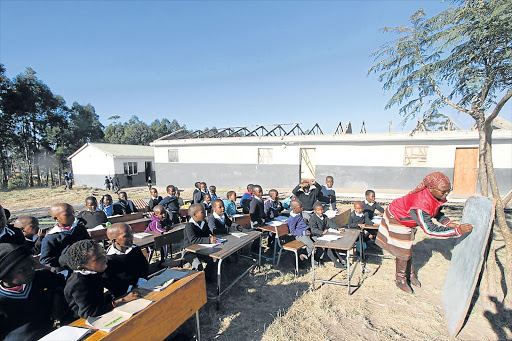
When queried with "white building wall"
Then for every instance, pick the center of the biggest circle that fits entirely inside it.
(92, 161)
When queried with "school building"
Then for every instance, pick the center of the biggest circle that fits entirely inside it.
(360, 161)
(93, 161)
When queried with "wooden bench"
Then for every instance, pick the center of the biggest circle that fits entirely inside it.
(125, 217)
(293, 246)
(141, 205)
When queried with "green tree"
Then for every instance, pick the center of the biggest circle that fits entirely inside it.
(460, 58)
(85, 125)
(7, 130)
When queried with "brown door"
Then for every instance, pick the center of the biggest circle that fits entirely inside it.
(465, 170)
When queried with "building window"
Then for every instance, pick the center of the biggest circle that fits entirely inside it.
(415, 156)
(173, 155)
(265, 155)
(130, 168)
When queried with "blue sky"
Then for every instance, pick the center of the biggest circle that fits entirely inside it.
(216, 63)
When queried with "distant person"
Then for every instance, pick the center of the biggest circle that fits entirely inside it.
(116, 186)
(107, 205)
(123, 205)
(107, 183)
(180, 199)
(67, 182)
(207, 203)
(328, 196)
(70, 177)
(230, 204)
(8, 233)
(92, 216)
(245, 201)
(405, 214)
(286, 202)
(171, 205)
(199, 196)
(129, 179)
(150, 182)
(307, 193)
(213, 193)
(272, 206)
(197, 188)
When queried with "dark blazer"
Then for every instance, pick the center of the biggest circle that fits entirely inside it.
(195, 235)
(153, 202)
(218, 227)
(85, 295)
(257, 211)
(317, 225)
(125, 270)
(12, 235)
(56, 244)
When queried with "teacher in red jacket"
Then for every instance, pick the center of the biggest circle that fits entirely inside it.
(405, 214)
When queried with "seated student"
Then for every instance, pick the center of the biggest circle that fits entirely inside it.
(160, 221)
(199, 196)
(106, 205)
(245, 201)
(197, 188)
(286, 202)
(67, 230)
(219, 222)
(197, 232)
(230, 204)
(92, 217)
(29, 226)
(369, 205)
(171, 205)
(155, 198)
(178, 195)
(319, 225)
(9, 234)
(327, 194)
(272, 206)
(300, 229)
(123, 205)
(28, 298)
(84, 289)
(358, 218)
(213, 192)
(126, 263)
(207, 203)
(307, 196)
(256, 207)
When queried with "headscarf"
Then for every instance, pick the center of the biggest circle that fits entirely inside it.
(432, 180)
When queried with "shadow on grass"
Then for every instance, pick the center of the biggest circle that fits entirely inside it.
(424, 250)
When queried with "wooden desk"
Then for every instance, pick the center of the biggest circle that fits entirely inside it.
(346, 243)
(172, 307)
(150, 240)
(279, 231)
(125, 217)
(137, 225)
(244, 220)
(223, 251)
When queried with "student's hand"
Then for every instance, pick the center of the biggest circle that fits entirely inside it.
(312, 182)
(303, 184)
(375, 225)
(41, 233)
(465, 228)
(380, 214)
(339, 211)
(132, 295)
(341, 229)
(213, 240)
(325, 232)
(308, 233)
(361, 225)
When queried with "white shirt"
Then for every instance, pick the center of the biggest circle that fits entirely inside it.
(57, 229)
(191, 220)
(113, 251)
(218, 217)
(369, 203)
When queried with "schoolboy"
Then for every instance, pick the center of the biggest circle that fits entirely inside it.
(84, 289)
(197, 188)
(358, 218)
(9, 234)
(230, 204)
(180, 199)
(26, 295)
(286, 202)
(369, 205)
(307, 196)
(328, 195)
(67, 230)
(299, 228)
(246, 199)
(155, 198)
(207, 203)
(160, 221)
(218, 221)
(256, 207)
(92, 216)
(106, 205)
(213, 192)
(319, 224)
(199, 196)
(272, 206)
(126, 263)
(170, 203)
(197, 232)
(29, 226)
(123, 205)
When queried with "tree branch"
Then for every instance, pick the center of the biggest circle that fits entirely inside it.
(498, 107)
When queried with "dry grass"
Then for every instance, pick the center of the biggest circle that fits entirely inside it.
(273, 304)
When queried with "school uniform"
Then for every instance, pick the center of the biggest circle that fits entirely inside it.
(197, 233)
(199, 197)
(25, 313)
(124, 269)
(257, 211)
(57, 241)
(298, 228)
(12, 235)
(107, 209)
(221, 224)
(370, 207)
(317, 225)
(93, 218)
(154, 201)
(354, 219)
(158, 225)
(327, 198)
(34, 244)
(272, 209)
(207, 207)
(124, 207)
(172, 207)
(85, 295)
(229, 207)
(245, 202)
(307, 200)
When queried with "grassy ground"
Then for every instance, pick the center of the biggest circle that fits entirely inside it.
(273, 304)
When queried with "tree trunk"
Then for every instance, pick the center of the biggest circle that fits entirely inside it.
(3, 165)
(482, 169)
(500, 215)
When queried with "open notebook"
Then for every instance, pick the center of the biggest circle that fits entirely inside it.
(112, 319)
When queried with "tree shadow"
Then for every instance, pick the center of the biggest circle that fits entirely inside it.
(500, 321)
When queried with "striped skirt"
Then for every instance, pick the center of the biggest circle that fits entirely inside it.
(394, 237)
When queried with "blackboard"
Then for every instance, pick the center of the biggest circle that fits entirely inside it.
(466, 263)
